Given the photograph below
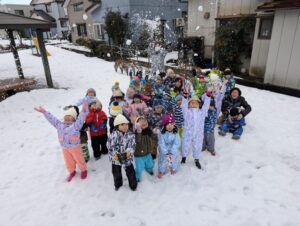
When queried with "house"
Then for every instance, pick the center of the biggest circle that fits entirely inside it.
(276, 48)
(22, 10)
(52, 10)
(87, 16)
(81, 20)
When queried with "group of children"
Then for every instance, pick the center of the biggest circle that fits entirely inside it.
(158, 117)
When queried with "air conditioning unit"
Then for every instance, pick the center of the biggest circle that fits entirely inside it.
(180, 22)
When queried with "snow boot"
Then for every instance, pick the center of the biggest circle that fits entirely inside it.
(173, 172)
(197, 163)
(83, 174)
(236, 137)
(70, 177)
(222, 133)
(183, 160)
(213, 153)
(160, 175)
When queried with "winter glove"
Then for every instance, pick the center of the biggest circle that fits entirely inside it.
(138, 128)
(156, 130)
(85, 106)
(40, 109)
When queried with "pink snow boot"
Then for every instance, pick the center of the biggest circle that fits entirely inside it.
(70, 177)
(83, 174)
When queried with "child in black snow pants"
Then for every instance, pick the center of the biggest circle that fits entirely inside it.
(121, 146)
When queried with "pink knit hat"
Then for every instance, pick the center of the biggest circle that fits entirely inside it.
(166, 119)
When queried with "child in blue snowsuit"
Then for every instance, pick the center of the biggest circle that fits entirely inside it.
(234, 123)
(142, 154)
(168, 145)
(209, 128)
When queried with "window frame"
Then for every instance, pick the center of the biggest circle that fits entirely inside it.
(48, 8)
(75, 7)
(78, 29)
(261, 20)
(101, 26)
(19, 10)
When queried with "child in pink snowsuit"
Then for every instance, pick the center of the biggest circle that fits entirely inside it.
(69, 137)
(193, 131)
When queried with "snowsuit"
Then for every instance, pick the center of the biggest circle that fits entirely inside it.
(84, 142)
(193, 132)
(230, 84)
(178, 115)
(134, 110)
(142, 155)
(69, 138)
(229, 125)
(121, 147)
(168, 144)
(209, 128)
(97, 122)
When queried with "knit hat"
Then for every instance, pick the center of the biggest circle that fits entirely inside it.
(237, 89)
(91, 90)
(178, 98)
(117, 93)
(115, 109)
(120, 119)
(71, 112)
(195, 98)
(158, 103)
(166, 119)
(170, 71)
(117, 83)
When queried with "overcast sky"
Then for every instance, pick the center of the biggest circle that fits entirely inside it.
(15, 1)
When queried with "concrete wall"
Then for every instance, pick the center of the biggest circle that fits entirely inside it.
(198, 26)
(10, 8)
(283, 64)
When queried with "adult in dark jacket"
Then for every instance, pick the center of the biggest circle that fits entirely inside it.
(235, 100)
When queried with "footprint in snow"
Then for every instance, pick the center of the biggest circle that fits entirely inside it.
(134, 221)
(104, 214)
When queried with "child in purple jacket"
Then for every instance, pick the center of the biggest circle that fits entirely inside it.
(69, 137)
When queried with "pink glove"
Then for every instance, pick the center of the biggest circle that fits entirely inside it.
(138, 128)
(40, 109)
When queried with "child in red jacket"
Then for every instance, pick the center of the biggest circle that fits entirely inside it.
(97, 121)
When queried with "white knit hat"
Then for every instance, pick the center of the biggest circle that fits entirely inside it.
(120, 119)
(72, 112)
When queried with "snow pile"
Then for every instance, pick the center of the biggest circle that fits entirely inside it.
(253, 181)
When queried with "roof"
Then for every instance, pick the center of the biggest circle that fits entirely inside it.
(238, 16)
(12, 21)
(95, 5)
(279, 4)
(42, 15)
(38, 2)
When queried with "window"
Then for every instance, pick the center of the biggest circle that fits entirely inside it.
(19, 12)
(78, 7)
(98, 31)
(48, 8)
(81, 30)
(63, 23)
(265, 28)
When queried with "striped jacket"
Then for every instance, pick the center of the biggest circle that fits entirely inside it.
(178, 114)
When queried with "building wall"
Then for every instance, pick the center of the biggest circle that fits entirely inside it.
(198, 26)
(238, 7)
(259, 54)
(57, 13)
(283, 59)
(10, 8)
(77, 18)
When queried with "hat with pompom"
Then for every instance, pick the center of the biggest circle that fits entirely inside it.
(115, 109)
(166, 119)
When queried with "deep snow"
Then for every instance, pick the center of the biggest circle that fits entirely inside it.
(254, 181)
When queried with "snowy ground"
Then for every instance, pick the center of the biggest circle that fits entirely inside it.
(251, 182)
